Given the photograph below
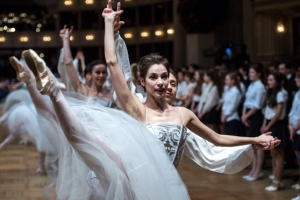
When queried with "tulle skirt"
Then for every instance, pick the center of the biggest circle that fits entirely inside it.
(145, 171)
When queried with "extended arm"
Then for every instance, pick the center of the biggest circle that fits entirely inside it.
(194, 124)
(68, 62)
(129, 103)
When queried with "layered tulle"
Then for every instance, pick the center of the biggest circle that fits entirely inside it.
(125, 159)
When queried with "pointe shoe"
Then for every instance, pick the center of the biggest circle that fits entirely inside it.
(17, 65)
(296, 198)
(260, 176)
(271, 177)
(44, 82)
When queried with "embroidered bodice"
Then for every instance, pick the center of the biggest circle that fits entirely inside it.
(173, 137)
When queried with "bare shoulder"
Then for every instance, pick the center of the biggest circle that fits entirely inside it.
(187, 114)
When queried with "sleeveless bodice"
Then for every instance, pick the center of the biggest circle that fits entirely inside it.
(103, 102)
(173, 137)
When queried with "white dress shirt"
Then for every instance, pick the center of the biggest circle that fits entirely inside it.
(281, 97)
(210, 98)
(232, 98)
(295, 111)
(255, 95)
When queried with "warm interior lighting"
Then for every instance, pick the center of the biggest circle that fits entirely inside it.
(5, 28)
(46, 39)
(89, 1)
(128, 35)
(68, 2)
(280, 28)
(37, 30)
(2, 39)
(23, 15)
(170, 31)
(159, 33)
(144, 34)
(42, 55)
(71, 38)
(11, 30)
(89, 37)
(24, 39)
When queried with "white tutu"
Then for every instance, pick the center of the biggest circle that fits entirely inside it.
(145, 171)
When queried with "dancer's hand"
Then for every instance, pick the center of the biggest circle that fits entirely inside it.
(65, 33)
(117, 22)
(266, 142)
(109, 14)
(245, 121)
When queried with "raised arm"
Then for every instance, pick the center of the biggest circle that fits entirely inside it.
(68, 60)
(129, 103)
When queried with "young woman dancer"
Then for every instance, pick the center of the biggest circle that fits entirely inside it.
(98, 71)
(252, 116)
(275, 112)
(231, 101)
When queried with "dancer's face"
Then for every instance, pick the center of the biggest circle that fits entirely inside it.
(228, 81)
(156, 81)
(99, 75)
(172, 89)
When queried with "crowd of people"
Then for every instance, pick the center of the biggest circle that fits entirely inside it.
(99, 129)
(248, 101)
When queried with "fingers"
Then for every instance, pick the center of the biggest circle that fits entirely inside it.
(268, 133)
(71, 30)
(119, 6)
(109, 4)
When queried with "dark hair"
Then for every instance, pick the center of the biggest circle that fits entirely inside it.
(213, 74)
(234, 76)
(134, 70)
(180, 71)
(284, 81)
(147, 61)
(175, 75)
(89, 68)
(272, 92)
(297, 74)
(198, 88)
(259, 68)
(286, 64)
(245, 68)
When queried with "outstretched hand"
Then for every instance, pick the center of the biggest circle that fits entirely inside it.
(109, 14)
(65, 33)
(267, 142)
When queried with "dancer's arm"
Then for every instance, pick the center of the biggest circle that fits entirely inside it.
(196, 126)
(128, 100)
(228, 160)
(76, 83)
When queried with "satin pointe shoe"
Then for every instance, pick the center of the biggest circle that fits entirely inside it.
(260, 176)
(271, 177)
(17, 65)
(44, 82)
(272, 188)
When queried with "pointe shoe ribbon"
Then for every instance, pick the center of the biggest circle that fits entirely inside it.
(17, 65)
(44, 82)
